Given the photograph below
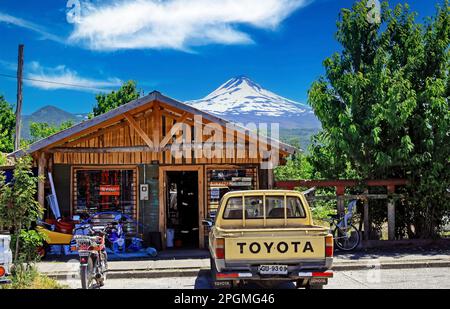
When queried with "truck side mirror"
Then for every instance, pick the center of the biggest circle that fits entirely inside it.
(208, 223)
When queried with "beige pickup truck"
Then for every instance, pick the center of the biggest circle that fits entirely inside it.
(268, 236)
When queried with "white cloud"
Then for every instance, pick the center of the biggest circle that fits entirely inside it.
(60, 77)
(176, 24)
(19, 22)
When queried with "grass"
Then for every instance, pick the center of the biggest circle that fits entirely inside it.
(29, 278)
(445, 234)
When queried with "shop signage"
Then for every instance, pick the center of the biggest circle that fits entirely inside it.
(109, 190)
(215, 193)
(241, 181)
(219, 183)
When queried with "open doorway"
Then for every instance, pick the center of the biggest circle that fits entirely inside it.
(182, 209)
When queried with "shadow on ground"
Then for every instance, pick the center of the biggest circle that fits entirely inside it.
(399, 251)
(203, 281)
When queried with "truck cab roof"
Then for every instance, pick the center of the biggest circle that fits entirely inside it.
(263, 209)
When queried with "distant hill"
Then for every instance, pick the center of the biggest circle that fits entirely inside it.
(51, 115)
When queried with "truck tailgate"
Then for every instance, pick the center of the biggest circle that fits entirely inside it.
(275, 248)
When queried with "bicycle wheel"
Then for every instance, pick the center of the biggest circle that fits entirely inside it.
(346, 239)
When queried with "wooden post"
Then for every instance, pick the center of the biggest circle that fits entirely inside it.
(19, 98)
(366, 217)
(162, 206)
(156, 124)
(201, 207)
(41, 184)
(340, 191)
(391, 214)
(270, 178)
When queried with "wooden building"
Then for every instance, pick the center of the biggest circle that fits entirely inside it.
(123, 160)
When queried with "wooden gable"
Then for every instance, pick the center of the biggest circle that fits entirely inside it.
(140, 132)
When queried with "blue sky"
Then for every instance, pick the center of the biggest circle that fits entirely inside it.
(185, 49)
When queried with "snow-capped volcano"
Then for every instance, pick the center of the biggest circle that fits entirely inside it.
(242, 100)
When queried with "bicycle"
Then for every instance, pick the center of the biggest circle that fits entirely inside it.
(346, 235)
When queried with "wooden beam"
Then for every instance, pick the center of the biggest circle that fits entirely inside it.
(140, 148)
(169, 135)
(291, 184)
(90, 125)
(96, 134)
(108, 149)
(102, 131)
(138, 129)
(41, 173)
(170, 114)
(156, 128)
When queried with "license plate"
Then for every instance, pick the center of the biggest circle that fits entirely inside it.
(273, 269)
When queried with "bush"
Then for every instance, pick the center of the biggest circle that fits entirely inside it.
(29, 242)
(27, 277)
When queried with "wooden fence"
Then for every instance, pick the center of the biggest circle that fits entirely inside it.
(340, 187)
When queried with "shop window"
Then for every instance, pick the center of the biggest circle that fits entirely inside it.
(221, 181)
(104, 190)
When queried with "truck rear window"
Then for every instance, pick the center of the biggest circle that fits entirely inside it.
(254, 207)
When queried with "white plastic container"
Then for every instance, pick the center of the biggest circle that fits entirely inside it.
(170, 237)
(5, 254)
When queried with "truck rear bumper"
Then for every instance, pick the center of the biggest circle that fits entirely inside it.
(292, 276)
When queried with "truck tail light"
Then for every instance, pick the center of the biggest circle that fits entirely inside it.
(220, 248)
(329, 245)
(326, 274)
(2, 271)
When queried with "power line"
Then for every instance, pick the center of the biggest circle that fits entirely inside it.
(51, 82)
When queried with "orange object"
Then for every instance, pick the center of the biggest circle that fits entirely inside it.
(50, 221)
(65, 227)
(109, 190)
(178, 243)
(2, 271)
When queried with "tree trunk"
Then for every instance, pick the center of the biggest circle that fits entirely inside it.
(16, 252)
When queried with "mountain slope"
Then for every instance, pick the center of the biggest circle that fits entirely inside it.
(51, 115)
(242, 100)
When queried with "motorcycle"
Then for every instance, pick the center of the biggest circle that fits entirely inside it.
(116, 236)
(93, 257)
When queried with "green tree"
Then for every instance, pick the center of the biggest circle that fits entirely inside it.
(383, 104)
(18, 206)
(7, 126)
(40, 130)
(107, 102)
(296, 167)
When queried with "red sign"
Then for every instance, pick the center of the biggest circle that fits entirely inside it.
(109, 190)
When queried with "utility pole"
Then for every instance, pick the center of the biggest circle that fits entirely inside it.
(19, 98)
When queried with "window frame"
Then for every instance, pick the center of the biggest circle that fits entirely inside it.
(265, 218)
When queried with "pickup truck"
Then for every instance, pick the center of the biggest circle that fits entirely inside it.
(5, 258)
(268, 236)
